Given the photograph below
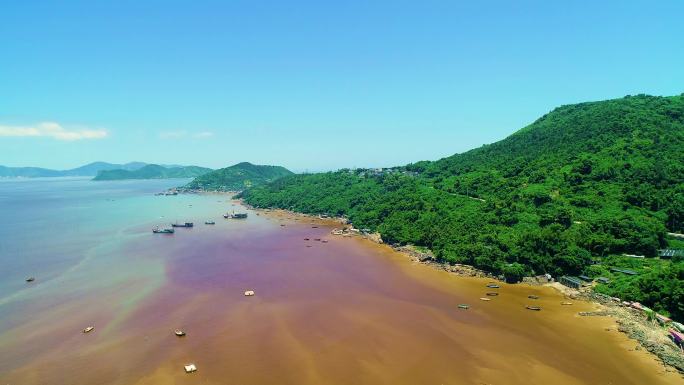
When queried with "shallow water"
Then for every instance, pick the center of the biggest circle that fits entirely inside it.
(343, 312)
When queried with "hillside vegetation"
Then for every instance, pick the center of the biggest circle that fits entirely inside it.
(238, 177)
(153, 171)
(583, 182)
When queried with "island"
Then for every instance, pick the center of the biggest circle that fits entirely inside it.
(237, 177)
(152, 171)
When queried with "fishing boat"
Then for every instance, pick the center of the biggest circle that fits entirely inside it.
(235, 215)
(317, 239)
(492, 294)
(184, 224)
(566, 303)
(306, 239)
(493, 286)
(535, 308)
(189, 368)
(324, 241)
(165, 230)
(678, 326)
(463, 306)
(179, 333)
(88, 329)
(30, 279)
(485, 299)
(249, 293)
(677, 337)
(533, 296)
(209, 222)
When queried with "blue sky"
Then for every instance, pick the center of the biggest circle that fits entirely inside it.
(312, 85)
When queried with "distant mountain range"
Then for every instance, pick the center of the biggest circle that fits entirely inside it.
(153, 171)
(90, 169)
(238, 177)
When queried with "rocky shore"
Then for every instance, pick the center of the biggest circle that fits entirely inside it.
(634, 323)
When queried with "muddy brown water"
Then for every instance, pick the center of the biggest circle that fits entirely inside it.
(343, 312)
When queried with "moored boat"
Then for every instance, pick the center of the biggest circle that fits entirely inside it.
(165, 230)
(88, 329)
(492, 294)
(493, 286)
(184, 224)
(179, 333)
(463, 306)
(533, 296)
(209, 222)
(485, 299)
(535, 308)
(30, 279)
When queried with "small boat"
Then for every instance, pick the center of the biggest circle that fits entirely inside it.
(463, 306)
(88, 329)
(493, 286)
(234, 215)
(249, 293)
(535, 308)
(189, 368)
(165, 230)
(485, 299)
(209, 222)
(184, 224)
(533, 296)
(282, 225)
(317, 239)
(566, 303)
(492, 294)
(324, 241)
(314, 227)
(308, 245)
(179, 333)
(30, 279)
(306, 239)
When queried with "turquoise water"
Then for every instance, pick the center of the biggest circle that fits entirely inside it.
(76, 236)
(51, 225)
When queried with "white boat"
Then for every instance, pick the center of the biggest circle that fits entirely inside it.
(249, 293)
(88, 329)
(189, 368)
(179, 333)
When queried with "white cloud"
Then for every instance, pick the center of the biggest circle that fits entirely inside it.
(53, 130)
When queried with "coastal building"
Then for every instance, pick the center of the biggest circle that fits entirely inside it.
(624, 271)
(603, 280)
(669, 253)
(572, 282)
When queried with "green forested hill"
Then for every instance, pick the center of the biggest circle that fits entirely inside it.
(582, 182)
(152, 171)
(238, 177)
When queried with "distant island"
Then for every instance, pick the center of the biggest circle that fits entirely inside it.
(90, 169)
(237, 177)
(152, 171)
(591, 190)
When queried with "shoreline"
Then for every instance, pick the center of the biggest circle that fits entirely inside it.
(628, 321)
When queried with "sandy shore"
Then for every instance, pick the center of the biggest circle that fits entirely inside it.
(649, 336)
